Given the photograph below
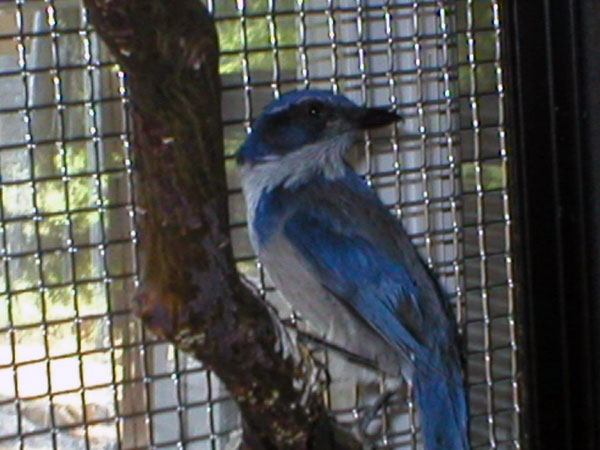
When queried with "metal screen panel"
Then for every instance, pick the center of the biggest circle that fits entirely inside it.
(78, 371)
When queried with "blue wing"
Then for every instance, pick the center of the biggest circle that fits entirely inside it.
(361, 254)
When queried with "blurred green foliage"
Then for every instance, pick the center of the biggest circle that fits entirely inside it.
(491, 176)
(481, 78)
(252, 37)
(57, 265)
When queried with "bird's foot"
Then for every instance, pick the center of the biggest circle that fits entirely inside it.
(369, 415)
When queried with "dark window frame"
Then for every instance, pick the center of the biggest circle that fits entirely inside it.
(554, 79)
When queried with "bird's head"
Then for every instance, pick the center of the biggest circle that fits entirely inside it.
(305, 119)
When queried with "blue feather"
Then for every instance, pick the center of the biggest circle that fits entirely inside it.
(311, 211)
(361, 254)
(359, 275)
(442, 402)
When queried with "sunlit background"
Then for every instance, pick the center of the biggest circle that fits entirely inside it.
(76, 368)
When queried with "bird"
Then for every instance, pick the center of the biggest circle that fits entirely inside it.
(342, 260)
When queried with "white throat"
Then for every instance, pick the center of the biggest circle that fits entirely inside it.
(324, 157)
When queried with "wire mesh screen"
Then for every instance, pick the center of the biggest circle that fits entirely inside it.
(78, 371)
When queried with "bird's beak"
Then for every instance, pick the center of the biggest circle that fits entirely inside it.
(366, 118)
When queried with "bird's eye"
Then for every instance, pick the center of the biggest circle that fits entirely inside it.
(314, 110)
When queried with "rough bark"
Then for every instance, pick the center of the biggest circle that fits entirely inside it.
(190, 291)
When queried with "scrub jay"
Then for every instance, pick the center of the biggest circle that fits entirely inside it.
(342, 260)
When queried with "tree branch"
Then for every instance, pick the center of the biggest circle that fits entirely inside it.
(191, 293)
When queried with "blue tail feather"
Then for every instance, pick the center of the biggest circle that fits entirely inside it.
(442, 402)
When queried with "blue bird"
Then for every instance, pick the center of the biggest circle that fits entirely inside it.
(342, 260)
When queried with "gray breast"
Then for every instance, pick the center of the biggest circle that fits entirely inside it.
(322, 313)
